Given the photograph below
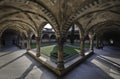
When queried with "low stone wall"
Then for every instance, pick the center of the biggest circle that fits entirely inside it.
(54, 68)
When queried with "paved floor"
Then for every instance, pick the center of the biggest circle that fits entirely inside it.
(15, 64)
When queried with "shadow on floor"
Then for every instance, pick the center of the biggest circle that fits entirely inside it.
(4, 65)
(87, 70)
(46, 74)
(113, 65)
(109, 51)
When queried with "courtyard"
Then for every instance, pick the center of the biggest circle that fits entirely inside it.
(16, 64)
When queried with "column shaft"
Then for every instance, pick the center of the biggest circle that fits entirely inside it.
(82, 46)
(91, 44)
(38, 46)
(0, 43)
(91, 37)
(60, 64)
(28, 44)
(22, 44)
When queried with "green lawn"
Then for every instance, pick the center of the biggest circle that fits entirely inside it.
(71, 51)
(50, 49)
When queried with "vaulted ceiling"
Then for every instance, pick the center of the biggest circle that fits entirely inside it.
(30, 16)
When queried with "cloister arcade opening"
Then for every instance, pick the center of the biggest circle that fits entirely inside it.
(8, 37)
(64, 36)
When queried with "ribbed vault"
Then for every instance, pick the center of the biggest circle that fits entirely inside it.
(28, 17)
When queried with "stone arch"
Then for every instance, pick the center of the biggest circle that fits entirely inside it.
(19, 22)
(52, 37)
(33, 36)
(110, 22)
(12, 38)
(77, 37)
(47, 12)
(14, 28)
(91, 7)
(45, 36)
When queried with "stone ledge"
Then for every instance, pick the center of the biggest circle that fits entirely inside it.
(53, 67)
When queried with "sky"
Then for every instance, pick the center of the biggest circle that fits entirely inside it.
(47, 26)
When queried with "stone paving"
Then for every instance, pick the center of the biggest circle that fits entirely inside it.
(16, 64)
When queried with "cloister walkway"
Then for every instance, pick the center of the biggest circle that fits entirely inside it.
(16, 64)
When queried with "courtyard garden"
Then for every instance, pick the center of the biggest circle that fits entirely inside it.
(51, 49)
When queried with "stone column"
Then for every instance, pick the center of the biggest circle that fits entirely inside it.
(38, 46)
(28, 43)
(82, 46)
(22, 43)
(60, 64)
(91, 37)
(0, 42)
(19, 42)
(97, 43)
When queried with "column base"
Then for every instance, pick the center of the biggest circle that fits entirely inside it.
(91, 51)
(82, 54)
(60, 66)
(27, 50)
(98, 47)
(37, 54)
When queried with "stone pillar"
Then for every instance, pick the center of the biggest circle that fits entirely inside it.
(0, 42)
(28, 43)
(101, 43)
(97, 43)
(91, 37)
(38, 46)
(17, 43)
(22, 43)
(82, 46)
(60, 64)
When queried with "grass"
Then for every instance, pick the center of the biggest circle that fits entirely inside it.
(47, 50)
(71, 51)
(50, 48)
